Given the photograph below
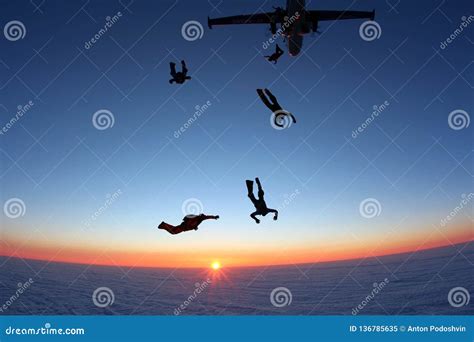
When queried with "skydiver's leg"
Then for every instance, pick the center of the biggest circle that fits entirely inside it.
(254, 216)
(264, 99)
(278, 50)
(260, 189)
(183, 67)
(168, 227)
(173, 69)
(250, 191)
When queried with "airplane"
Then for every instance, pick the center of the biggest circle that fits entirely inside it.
(295, 21)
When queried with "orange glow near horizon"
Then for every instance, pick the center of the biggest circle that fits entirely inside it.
(215, 257)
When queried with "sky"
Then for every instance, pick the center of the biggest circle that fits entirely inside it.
(96, 196)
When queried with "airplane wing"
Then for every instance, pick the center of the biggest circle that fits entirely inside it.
(340, 15)
(258, 18)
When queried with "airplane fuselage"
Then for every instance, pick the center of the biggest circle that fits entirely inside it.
(294, 35)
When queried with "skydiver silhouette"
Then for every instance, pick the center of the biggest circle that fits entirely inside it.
(276, 55)
(179, 77)
(190, 222)
(259, 203)
(274, 106)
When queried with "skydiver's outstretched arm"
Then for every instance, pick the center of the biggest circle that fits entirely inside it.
(254, 216)
(275, 217)
(210, 217)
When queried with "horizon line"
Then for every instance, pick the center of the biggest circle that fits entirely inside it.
(236, 267)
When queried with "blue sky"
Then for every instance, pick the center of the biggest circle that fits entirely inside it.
(409, 158)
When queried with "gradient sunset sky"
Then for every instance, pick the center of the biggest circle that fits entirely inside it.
(409, 159)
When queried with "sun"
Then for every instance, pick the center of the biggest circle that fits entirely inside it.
(216, 265)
